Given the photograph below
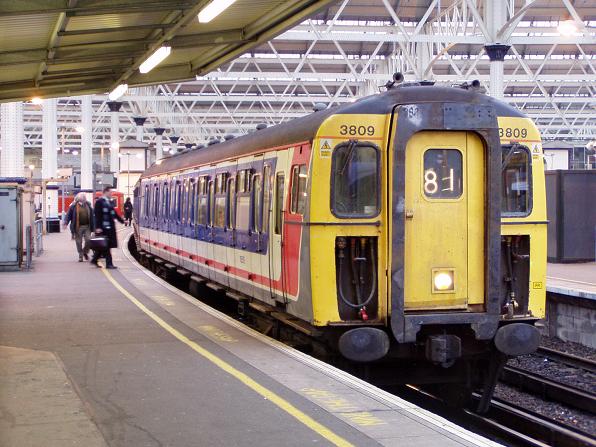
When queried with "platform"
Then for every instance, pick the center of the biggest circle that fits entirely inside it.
(578, 280)
(93, 357)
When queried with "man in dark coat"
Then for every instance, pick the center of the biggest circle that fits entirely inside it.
(127, 211)
(106, 226)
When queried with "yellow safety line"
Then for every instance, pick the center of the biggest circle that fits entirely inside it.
(245, 379)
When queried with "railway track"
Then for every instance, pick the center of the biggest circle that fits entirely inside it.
(548, 389)
(567, 359)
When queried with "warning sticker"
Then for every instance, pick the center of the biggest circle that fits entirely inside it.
(325, 150)
(537, 284)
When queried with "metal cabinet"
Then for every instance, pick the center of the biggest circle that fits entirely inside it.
(11, 228)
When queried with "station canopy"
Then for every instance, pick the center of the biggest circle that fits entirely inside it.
(56, 48)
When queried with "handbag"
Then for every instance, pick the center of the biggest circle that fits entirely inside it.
(98, 243)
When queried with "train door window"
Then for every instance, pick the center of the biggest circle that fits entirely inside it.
(279, 201)
(211, 202)
(231, 199)
(355, 180)
(516, 175)
(166, 202)
(220, 201)
(266, 198)
(257, 201)
(243, 201)
(298, 196)
(442, 174)
(191, 202)
(203, 201)
(179, 204)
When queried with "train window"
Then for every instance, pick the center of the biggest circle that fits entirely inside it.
(241, 180)
(191, 201)
(355, 181)
(202, 201)
(516, 184)
(211, 202)
(442, 178)
(298, 198)
(266, 198)
(231, 198)
(256, 202)
(279, 201)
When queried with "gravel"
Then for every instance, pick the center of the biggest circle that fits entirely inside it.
(569, 347)
(551, 410)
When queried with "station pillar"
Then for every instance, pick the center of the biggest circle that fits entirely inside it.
(12, 155)
(87, 144)
(140, 121)
(174, 139)
(114, 107)
(495, 17)
(158, 142)
(496, 53)
(49, 153)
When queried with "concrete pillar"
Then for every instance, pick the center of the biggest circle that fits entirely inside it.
(49, 153)
(158, 142)
(12, 156)
(139, 121)
(174, 139)
(87, 143)
(114, 107)
(495, 16)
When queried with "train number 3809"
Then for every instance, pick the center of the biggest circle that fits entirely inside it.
(512, 132)
(344, 129)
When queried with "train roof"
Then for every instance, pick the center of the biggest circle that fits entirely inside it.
(304, 128)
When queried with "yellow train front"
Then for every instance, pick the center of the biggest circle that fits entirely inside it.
(406, 225)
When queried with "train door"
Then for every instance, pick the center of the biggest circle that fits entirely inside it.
(242, 250)
(444, 221)
(230, 229)
(276, 224)
(210, 231)
(258, 252)
(265, 226)
(218, 226)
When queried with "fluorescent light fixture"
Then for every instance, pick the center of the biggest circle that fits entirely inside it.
(213, 9)
(66, 151)
(80, 129)
(75, 152)
(567, 27)
(32, 167)
(118, 92)
(155, 59)
(37, 101)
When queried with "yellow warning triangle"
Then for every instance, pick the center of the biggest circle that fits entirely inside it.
(326, 146)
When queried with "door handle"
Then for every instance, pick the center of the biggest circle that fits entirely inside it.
(409, 214)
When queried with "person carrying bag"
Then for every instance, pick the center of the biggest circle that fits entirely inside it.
(105, 228)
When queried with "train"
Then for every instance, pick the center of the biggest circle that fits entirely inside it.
(117, 199)
(407, 228)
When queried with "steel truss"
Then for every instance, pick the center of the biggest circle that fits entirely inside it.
(351, 50)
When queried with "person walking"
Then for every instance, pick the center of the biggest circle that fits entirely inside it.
(128, 212)
(105, 226)
(82, 223)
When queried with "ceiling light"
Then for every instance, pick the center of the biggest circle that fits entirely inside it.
(80, 129)
(37, 101)
(115, 146)
(153, 61)
(32, 167)
(118, 92)
(567, 27)
(66, 151)
(213, 9)
(75, 152)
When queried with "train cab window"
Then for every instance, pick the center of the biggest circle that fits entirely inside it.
(266, 198)
(442, 177)
(231, 199)
(355, 181)
(279, 202)
(257, 201)
(516, 184)
(298, 197)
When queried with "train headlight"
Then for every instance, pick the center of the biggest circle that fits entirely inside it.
(443, 280)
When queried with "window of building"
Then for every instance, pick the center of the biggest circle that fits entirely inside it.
(516, 181)
(279, 201)
(355, 180)
(298, 196)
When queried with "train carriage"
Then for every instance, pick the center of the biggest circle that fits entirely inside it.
(406, 225)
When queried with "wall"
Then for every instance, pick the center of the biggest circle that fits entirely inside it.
(556, 159)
